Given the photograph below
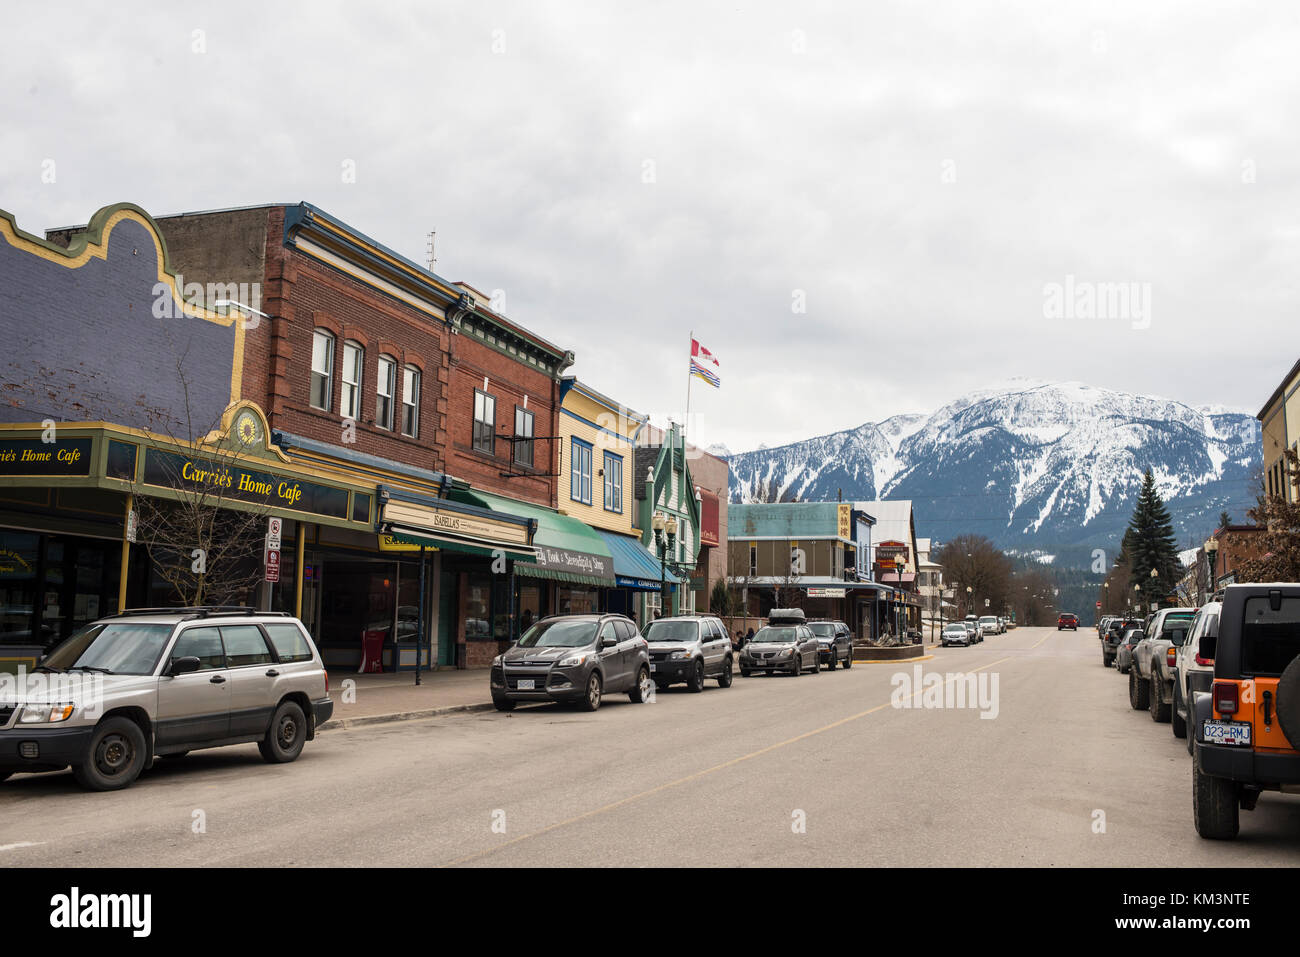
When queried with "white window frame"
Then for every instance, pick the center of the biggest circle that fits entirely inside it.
(319, 337)
(411, 403)
(386, 401)
(350, 389)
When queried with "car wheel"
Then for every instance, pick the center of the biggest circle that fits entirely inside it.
(1159, 710)
(591, 700)
(1214, 804)
(834, 659)
(1107, 660)
(286, 735)
(114, 758)
(696, 683)
(728, 674)
(796, 666)
(817, 664)
(1176, 721)
(745, 672)
(503, 704)
(1138, 690)
(640, 692)
(848, 659)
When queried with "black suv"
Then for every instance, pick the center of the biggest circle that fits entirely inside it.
(1247, 727)
(575, 658)
(834, 643)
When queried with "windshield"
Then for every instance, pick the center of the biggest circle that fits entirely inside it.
(559, 633)
(988, 621)
(955, 630)
(119, 648)
(672, 631)
(823, 629)
(776, 635)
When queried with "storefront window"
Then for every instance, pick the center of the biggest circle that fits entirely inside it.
(478, 607)
(529, 605)
(576, 601)
(19, 561)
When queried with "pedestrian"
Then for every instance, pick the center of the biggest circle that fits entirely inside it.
(749, 636)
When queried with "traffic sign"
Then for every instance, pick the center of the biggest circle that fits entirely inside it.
(273, 564)
(274, 527)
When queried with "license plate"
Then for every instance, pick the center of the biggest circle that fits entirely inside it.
(526, 684)
(654, 667)
(1227, 732)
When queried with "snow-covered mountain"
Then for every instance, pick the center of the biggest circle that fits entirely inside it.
(1052, 467)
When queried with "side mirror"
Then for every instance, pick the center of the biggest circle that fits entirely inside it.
(183, 666)
(608, 642)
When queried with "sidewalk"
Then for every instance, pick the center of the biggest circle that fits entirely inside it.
(373, 699)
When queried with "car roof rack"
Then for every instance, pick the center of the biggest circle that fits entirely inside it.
(198, 611)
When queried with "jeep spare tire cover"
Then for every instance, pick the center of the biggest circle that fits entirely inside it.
(1288, 702)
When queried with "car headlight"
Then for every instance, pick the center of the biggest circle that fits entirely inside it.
(45, 713)
(498, 661)
(680, 655)
(785, 651)
(572, 661)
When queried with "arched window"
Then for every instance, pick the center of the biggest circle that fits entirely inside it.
(350, 396)
(322, 370)
(385, 389)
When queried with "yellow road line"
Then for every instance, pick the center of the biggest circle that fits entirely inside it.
(690, 777)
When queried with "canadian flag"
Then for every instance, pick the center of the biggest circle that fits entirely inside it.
(698, 352)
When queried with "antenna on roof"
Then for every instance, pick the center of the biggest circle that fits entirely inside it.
(432, 257)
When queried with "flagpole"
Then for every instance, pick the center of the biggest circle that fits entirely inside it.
(689, 377)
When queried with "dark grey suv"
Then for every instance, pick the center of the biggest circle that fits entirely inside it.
(835, 643)
(689, 648)
(574, 658)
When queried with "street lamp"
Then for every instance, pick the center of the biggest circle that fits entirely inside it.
(1212, 555)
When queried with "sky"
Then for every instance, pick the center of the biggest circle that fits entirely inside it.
(861, 209)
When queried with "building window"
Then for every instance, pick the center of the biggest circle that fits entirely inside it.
(753, 560)
(613, 482)
(322, 370)
(524, 430)
(580, 472)
(411, 402)
(485, 422)
(386, 383)
(350, 395)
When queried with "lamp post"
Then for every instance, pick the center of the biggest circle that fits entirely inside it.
(1154, 575)
(1212, 557)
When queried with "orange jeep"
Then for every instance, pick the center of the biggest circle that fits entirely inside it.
(1247, 726)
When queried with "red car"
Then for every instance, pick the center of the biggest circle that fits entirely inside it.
(1067, 621)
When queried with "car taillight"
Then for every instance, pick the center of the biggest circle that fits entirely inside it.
(1171, 657)
(1225, 697)
(327, 682)
(1204, 661)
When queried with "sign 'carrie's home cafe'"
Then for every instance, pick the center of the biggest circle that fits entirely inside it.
(35, 457)
(170, 470)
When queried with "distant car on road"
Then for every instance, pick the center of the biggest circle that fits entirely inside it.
(835, 643)
(789, 648)
(957, 634)
(972, 626)
(1066, 620)
(577, 658)
(1124, 649)
(1110, 640)
(990, 625)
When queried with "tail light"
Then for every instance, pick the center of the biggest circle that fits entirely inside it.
(1204, 661)
(1171, 657)
(1225, 697)
(327, 682)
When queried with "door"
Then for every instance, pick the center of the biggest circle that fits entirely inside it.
(612, 660)
(715, 647)
(255, 679)
(194, 708)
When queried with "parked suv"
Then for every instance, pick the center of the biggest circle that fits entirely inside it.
(835, 643)
(1150, 657)
(573, 658)
(161, 682)
(1192, 672)
(1247, 726)
(689, 648)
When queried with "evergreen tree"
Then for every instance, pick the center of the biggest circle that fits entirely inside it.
(1152, 545)
(1224, 520)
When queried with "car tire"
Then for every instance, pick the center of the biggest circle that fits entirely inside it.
(503, 704)
(1288, 702)
(1159, 710)
(745, 672)
(728, 674)
(834, 660)
(1177, 723)
(286, 735)
(640, 692)
(1214, 804)
(1138, 690)
(1107, 660)
(817, 664)
(591, 700)
(796, 666)
(114, 758)
(696, 682)
(848, 661)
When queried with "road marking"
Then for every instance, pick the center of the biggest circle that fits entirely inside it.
(1040, 641)
(693, 777)
(14, 847)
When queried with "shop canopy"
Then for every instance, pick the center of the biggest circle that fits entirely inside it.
(634, 564)
(567, 550)
(437, 523)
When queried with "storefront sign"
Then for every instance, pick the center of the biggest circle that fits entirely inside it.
(396, 543)
(845, 526)
(226, 480)
(580, 563)
(132, 526)
(891, 553)
(34, 457)
(827, 592)
(451, 522)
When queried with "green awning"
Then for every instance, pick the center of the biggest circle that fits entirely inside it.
(568, 549)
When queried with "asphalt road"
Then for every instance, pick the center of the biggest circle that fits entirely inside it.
(818, 770)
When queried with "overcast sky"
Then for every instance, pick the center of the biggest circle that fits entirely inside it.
(914, 175)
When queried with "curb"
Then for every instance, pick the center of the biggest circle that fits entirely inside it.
(344, 724)
(891, 661)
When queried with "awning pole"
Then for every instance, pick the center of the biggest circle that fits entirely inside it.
(126, 554)
(419, 619)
